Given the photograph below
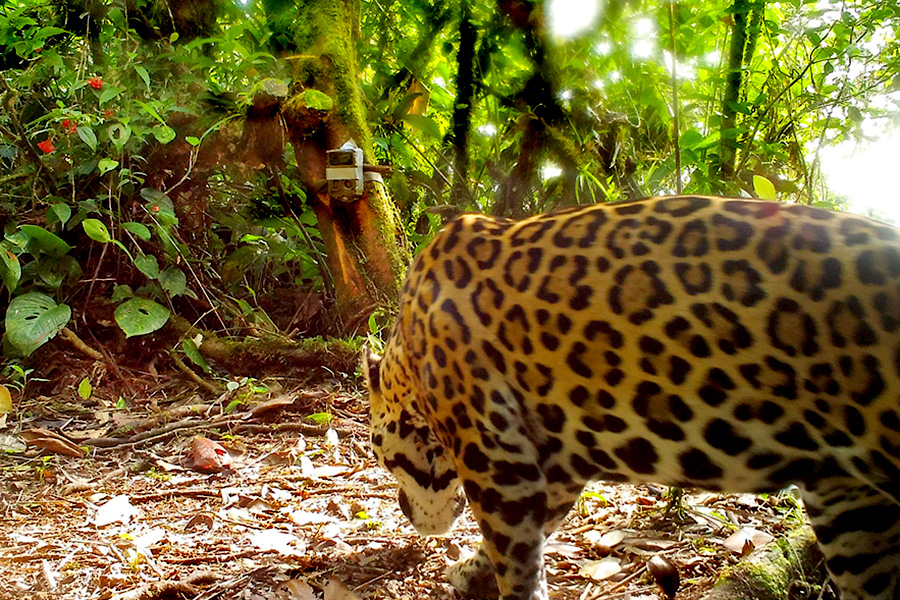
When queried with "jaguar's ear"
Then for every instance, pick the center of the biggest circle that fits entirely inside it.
(371, 364)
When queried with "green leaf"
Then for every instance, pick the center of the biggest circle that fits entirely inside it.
(191, 350)
(151, 111)
(690, 138)
(34, 318)
(163, 134)
(59, 213)
(109, 92)
(426, 125)
(46, 242)
(321, 418)
(763, 188)
(106, 165)
(147, 264)
(138, 229)
(193, 141)
(118, 134)
(85, 389)
(143, 74)
(121, 292)
(173, 281)
(10, 270)
(88, 136)
(96, 230)
(140, 316)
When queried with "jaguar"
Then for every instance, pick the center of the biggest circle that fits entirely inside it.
(700, 342)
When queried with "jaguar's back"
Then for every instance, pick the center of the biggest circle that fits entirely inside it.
(701, 342)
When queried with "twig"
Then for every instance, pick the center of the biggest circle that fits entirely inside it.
(208, 386)
(80, 345)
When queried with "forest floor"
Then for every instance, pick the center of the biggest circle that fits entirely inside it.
(107, 502)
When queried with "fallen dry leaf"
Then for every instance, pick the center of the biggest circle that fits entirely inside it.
(746, 539)
(208, 456)
(294, 589)
(48, 440)
(336, 590)
(604, 542)
(118, 510)
(5, 400)
(598, 570)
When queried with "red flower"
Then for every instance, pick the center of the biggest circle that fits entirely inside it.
(69, 126)
(155, 208)
(46, 146)
(108, 113)
(95, 82)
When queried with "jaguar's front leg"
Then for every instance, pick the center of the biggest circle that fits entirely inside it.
(513, 522)
(474, 576)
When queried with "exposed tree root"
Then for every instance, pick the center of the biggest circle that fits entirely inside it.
(316, 358)
(775, 571)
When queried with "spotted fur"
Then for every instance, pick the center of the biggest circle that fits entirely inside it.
(724, 344)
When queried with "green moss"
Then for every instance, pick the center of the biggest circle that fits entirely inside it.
(326, 31)
(316, 100)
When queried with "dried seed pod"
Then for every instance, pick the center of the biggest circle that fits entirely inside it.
(665, 574)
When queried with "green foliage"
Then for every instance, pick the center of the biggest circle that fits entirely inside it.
(121, 173)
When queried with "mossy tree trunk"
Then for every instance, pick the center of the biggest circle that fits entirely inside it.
(744, 34)
(365, 246)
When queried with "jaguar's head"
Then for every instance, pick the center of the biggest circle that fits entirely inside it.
(431, 496)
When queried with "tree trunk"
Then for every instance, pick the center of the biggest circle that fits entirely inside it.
(365, 246)
(461, 193)
(732, 94)
(744, 33)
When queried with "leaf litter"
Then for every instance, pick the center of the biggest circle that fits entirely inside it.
(267, 504)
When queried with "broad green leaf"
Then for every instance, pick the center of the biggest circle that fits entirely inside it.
(143, 74)
(690, 138)
(138, 229)
(193, 141)
(109, 92)
(10, 270)
(148, 265)
(45, 241)
(59, 213)
(88, 136)
(191, 350)
(426, 125)
(96, 230)
(54, 272)
(121, 292)
(106, 165)
(49, 272)
(85, 389)
(173, 281)
(140, 316)
(163, 134)
(118, 134)
(764, 188)
(34, 318)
